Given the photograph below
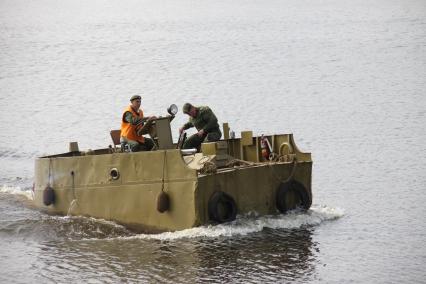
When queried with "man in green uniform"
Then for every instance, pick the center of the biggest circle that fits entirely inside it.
(202, 118)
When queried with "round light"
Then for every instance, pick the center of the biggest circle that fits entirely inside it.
(172, 109)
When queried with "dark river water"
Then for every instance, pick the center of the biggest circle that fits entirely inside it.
(347, 78)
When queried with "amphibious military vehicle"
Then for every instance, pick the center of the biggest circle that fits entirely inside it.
(171, 189)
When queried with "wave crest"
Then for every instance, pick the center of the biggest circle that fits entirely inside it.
(249, 224)
(18, 191)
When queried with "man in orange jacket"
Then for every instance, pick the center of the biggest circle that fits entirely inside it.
(131, 121)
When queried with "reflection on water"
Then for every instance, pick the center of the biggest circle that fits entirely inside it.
(271, 255)
(250, 249)
(63, 249)
(274, 255)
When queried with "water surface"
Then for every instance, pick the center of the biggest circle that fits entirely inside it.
(346, 77)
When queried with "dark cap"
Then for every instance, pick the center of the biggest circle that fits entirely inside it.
(186, 107)
(135, 97)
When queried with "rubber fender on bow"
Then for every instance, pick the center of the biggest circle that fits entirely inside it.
(292, 194)
(48, 196)
(222, 207)
(163, 202)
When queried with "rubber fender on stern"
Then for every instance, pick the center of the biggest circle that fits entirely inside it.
(296, 187)
(222, 207)
(48, 196)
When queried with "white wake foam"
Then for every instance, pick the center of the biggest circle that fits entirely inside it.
(17, 190)
(245, 225)
(88, 219)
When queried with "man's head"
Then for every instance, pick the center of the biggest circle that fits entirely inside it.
(135, 101)
(189, 109)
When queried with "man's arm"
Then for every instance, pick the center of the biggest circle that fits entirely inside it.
(186, 126)
(128, 117)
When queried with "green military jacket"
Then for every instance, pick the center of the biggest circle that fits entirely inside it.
(205, 120)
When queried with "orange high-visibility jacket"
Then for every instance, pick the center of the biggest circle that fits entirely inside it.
(128, 130)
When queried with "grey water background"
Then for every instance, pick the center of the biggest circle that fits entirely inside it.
(348, 78)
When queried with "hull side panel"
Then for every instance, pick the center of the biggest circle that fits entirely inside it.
(131, 199)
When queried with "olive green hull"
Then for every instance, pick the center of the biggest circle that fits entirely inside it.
(83, 185)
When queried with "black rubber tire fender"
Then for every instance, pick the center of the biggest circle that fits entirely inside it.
(298, 188)
(222, 207)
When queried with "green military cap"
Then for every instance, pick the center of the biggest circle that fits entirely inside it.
(135, 97)
(186, 107)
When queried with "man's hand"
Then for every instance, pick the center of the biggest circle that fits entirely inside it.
(201, 133)
(181, 130)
